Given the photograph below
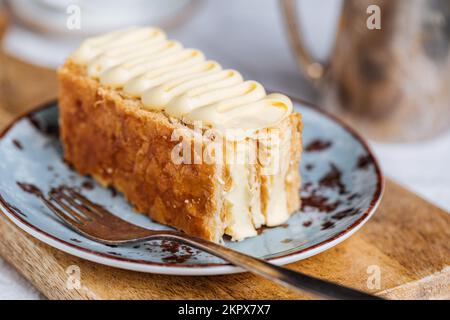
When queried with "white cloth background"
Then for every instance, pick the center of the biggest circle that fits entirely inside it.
(248, 35)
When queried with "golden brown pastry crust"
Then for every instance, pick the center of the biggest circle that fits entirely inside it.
(122, 145)
(293, 178)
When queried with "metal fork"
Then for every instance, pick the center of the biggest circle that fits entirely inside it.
(97, 223)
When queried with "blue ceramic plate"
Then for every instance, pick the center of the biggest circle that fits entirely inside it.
(342, 186)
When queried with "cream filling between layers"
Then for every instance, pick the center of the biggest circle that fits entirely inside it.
(258, 218)
(278, 156)
(239, 224)
(245, 213)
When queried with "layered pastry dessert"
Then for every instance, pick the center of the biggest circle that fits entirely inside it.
(191, 145)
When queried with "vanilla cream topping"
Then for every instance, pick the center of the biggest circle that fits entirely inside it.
(181, 82)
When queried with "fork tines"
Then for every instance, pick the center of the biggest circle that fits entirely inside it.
(74, 205)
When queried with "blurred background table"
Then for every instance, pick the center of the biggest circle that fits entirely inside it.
(260, 51)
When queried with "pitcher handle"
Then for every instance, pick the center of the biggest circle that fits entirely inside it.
(314, 70)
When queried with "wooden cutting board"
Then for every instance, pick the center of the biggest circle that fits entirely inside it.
(407, 241)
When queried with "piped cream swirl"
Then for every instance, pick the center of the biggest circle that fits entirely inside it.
(181, 82)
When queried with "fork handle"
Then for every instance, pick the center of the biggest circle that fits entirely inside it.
(295, 280)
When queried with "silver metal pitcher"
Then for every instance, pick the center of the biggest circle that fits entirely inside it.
(393, 83)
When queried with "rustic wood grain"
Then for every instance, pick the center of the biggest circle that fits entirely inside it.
(408, 239)
(413, 259)
(22, 86)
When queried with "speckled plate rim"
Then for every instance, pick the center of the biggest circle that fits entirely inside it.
(200, 269)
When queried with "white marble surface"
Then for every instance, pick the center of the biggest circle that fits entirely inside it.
(248, 35)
